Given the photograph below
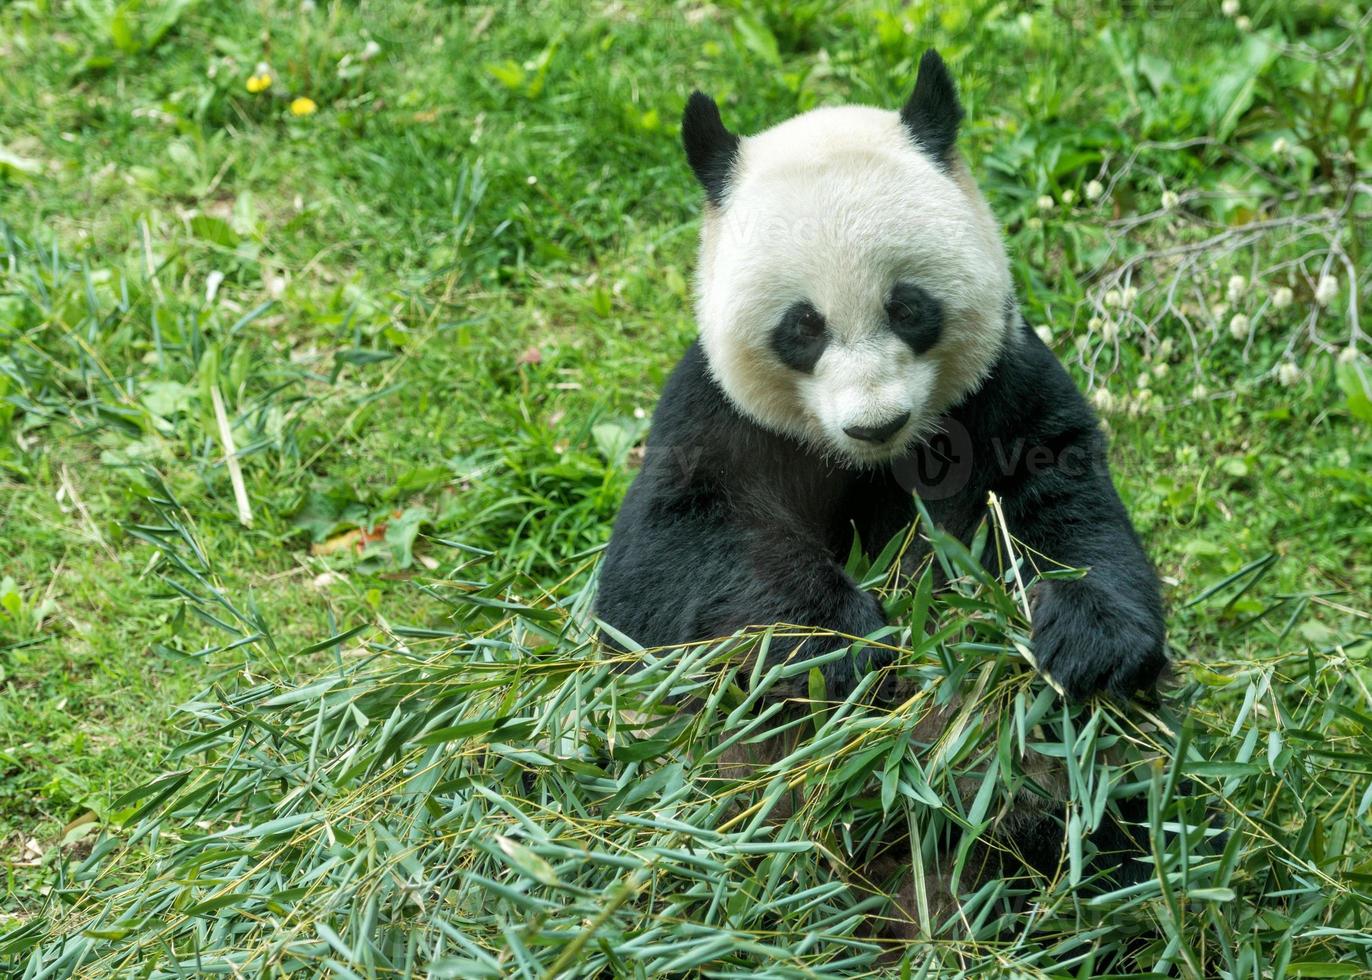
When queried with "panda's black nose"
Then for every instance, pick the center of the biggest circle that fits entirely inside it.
(878, 433)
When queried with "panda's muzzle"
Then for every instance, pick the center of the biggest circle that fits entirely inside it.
(880, 433)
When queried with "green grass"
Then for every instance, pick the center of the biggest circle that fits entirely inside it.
(445, 302)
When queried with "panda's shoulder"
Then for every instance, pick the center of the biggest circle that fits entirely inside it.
(690, 380)
(693, 404)
(1028, 392)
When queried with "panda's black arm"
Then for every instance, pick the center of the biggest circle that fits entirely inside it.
(1038, 446)
(722, 529)
(678, 580)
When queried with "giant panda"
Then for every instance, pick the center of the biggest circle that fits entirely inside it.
(854, 300)
(860, 342)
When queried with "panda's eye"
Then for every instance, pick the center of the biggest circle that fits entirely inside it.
(799, 339)
(810, 322)
(915, 316)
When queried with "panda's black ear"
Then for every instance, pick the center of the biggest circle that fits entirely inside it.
(710, 148)
(933, 112)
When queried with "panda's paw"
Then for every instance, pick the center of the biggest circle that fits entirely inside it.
(845, 673)
(859, 614)
(1090, 640)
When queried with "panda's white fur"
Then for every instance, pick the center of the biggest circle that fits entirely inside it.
(834, 207)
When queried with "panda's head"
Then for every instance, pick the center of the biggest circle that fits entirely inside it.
(852, 282)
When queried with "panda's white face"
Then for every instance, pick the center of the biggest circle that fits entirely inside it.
(850, 288)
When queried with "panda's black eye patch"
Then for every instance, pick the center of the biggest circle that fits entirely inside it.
(915, 316)
(799, 339)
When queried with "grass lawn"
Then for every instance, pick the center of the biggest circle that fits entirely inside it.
(328, 335)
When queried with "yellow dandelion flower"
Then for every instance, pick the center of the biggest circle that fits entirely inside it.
(259, 82)
(303, 106)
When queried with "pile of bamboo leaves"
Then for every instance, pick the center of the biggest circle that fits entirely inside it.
(507, 796)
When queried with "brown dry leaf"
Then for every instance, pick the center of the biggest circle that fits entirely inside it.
(88, 817)
(358, 539)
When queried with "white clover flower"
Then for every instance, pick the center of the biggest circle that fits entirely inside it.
(1165, 348)
(1109, 331)
(369, 51)
(1141, 382)
(1230, 7)
(1238, 326)
(1280, 146)
(1103, 400)
(1034, 223)
(1045, 334)
(1170, 200)
(1160, 369)
(1243, 23)
(1282, 297)
(1093, 324)
(1199, 391)
(1045, 202)
(1289, 374)
(1238, 285)
(212, 283)
(1129, 294)
(1067, 197)
(1219, 310)
(1113, 297)
(1348, 355)
(1327, 289)
(276, 287)
(1081, 341)
(1094, 190)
